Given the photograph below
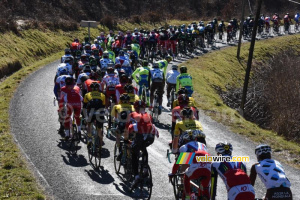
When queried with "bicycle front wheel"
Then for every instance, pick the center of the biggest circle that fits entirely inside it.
(144, 189)
(117, 163)
(73, 143)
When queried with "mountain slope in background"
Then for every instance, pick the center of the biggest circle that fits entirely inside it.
(66, 12)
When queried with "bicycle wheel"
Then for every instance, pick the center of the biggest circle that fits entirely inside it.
(117, 163)
(97, 152)
(74, 143)
(146, 184)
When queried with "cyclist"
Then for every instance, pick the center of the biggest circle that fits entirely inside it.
(157, 84)
(70, 96)
(221, 28)
(120, 114)
(188, 123)
(171, 81)
(143, 79)
(271, 173)
(110, 81)
(121, 58)
(267, 22)
(128, 39)
(84, 75)
(233, 174)
(191, 100)
(120, 87)
(67, 55)
(163, 64)
(93, 107)
(194, 141)
(287, 21)
(111, 54)
(129, 89)
(86, 86)
(104, 62)
(229, 30)
(141, 125)
(185, 80)
(296, 19)
(74, 46)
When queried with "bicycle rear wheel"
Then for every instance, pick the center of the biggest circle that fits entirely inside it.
(74, 143)
(117, 163)
(177, 187)
(97, 152)
(144, 188)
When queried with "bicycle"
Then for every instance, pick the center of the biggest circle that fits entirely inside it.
(95, 148)
(144, 185)
(144, 93)
(154, 111)
(110, 107)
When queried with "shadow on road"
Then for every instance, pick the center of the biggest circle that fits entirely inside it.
(75, 160)
(101, 176)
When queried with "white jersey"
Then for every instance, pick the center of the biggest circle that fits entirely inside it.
(271, 173)
(65, 56)
(267, 19)
(61, 80)
(79, 82)
(171, 76)
(60, 67)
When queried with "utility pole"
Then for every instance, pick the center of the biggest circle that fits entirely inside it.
(248, 70)
(241, 29)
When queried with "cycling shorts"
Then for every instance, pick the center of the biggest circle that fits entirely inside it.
(279, 193)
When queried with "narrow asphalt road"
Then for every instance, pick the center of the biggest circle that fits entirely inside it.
(34, 125)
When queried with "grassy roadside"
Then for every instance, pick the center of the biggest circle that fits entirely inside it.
(217, 70)
(32, 49)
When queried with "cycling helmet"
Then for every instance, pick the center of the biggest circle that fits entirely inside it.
(198, 134)
(84, 78)
(93, 62)
(62, 71)
(87, 47)
(105, 54)
(69, 80)
(224, 148)
(67, 51)
(187, 112)
(95, 86)
(96, 41)
(169, 59)
(183, 98)
(182, 90)
(183, 69)
(69, 60)
(121, 53)
(123, 78)
(128, 88)
(84, 57)
(145, 63)
(174, 67)
(262, 149)
(187, 136)
(125, 98)
(155, 65)
(87, 68)
(110, 70)
(76, 40)
(139, 104)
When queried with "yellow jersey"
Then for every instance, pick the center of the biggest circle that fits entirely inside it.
(187, 124)
(133, 98)
(94, 99)
(119, 111)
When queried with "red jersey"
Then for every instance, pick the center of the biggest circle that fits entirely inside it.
(75, 46)
(71, 96)
(141, 123)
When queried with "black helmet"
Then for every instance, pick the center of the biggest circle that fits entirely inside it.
(69, 80)
(123, 78)
(145, 63)
(95, 86)
(84, 78)
(187, 112)
(129, 88)
(182, 90)
(125, 98)
(87, 68)
(174, 67)
(67, 51)
(183, 69)
(224, 148)
(110, 70)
